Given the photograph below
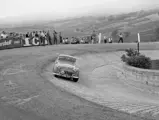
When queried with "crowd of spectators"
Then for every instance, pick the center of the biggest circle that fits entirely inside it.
(42, 35)
(4, 34)
(56, 37)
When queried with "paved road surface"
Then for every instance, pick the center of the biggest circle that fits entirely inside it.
(26, 95)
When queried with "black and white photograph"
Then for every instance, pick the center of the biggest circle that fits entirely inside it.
(79, 60)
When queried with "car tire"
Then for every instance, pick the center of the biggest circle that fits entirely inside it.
(75, 79)
(56, 76)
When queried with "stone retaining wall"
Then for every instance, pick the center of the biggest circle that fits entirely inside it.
(149, 77)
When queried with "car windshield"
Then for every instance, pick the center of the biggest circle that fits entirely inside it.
(66, 59)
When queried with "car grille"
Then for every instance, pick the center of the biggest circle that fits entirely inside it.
(68, 73)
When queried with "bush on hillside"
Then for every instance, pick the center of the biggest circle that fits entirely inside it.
(135, 59)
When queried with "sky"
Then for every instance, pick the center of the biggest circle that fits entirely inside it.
(43, 9)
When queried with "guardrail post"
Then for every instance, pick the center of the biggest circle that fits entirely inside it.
(138, 42)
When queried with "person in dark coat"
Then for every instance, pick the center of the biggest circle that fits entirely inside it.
(61, 39)
(49, 38)
(50, 33)
(55, 37)
(93, 37)
(120, 38)
(105, 39)
(42, 37)
(27, 35)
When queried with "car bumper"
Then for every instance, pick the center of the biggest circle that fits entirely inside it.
(64, 75)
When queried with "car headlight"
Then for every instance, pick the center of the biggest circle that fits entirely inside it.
(58, 68)
(62, 72)
(76, 71)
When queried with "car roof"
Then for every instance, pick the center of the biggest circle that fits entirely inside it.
(64, 55)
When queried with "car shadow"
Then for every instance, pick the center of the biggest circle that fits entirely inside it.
(63, 78)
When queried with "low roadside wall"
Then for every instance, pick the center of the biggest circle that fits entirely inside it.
(11, 42)
(149, 77)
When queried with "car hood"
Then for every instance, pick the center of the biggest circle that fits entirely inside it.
(65, 65)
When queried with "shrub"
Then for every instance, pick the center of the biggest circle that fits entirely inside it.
(133, 58)
(123, 58)
(131, 52)
(140, 61)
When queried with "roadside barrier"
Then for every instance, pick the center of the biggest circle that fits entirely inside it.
(12, 42)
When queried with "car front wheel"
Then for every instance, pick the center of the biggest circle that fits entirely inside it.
(56, 76)
(75, 79)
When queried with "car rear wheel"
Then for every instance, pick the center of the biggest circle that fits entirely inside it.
(75, 79)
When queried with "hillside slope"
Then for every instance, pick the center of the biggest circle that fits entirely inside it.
(140, 21)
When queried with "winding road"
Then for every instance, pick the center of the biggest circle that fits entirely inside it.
(28, 90)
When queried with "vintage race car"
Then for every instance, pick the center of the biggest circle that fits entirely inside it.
(65, 66)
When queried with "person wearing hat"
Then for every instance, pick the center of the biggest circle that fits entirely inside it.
(3, 35)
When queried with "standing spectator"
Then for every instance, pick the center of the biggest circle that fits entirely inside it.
(39, 32)
(63, 40)
(10, 34)
(55, 37)
(60, 36)
(67, 41)
(3, 35)
(42, 38)
(105, 39)
(27, 35)
(36, 34)
(93, 37)
(49, 38)
(23, 37)
(72, 39)
(110, 40)
(30, 34)
(120, 38)
(33, 34)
